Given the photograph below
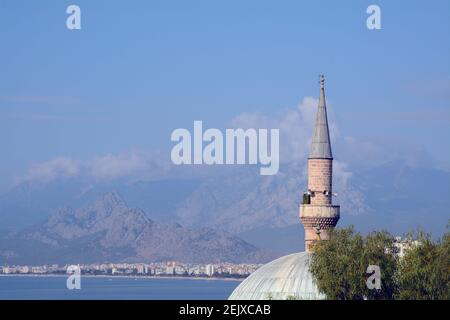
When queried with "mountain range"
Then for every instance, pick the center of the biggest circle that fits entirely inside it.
(262, 210)
(107, 230)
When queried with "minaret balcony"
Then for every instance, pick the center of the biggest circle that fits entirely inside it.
(324, 215)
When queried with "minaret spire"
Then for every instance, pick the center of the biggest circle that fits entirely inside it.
(320, 145)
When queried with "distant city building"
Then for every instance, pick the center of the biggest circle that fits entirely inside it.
(403, 245)
(170, 268)
(209, 270)
(179, 270)
(141, 269)
(24, 269)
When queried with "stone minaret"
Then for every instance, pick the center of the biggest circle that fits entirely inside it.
(317, 213)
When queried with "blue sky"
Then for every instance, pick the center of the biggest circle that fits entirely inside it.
(139, 69)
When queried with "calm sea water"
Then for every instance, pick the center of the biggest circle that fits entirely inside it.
(29, 287)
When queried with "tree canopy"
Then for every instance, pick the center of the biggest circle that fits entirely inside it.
(340, 266)
(424, 271)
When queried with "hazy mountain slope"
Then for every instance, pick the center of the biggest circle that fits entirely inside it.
(241, 202)
(402, 198)
(30, 203)
(108, 230)
(394, 196)
(282, 240)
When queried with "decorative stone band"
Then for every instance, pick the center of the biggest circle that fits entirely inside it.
(323, 223)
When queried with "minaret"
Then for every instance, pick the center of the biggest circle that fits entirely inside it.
(317, 213)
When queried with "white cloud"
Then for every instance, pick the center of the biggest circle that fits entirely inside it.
(115, 166)
(341, 174)
(374, 151)
(109, 166)
(50, 170)
(296, 127)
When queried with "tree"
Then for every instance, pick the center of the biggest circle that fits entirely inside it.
(339, 264)
(424, 271)
(380, 250)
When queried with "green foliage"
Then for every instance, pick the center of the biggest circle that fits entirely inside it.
(424, 271)
(379, 249)
(340, 264)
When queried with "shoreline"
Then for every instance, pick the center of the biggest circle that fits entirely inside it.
(125, 277)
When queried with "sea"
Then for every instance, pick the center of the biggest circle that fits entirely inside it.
(114, 288)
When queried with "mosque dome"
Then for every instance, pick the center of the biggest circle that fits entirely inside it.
(287, 277)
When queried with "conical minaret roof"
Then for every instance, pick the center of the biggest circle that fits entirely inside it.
(320, 145)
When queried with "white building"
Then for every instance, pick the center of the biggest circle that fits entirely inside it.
(209, 270)
(404, 245)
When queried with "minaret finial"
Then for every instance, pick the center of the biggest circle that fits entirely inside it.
(322, 81)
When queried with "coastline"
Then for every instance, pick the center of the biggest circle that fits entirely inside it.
(124, 277)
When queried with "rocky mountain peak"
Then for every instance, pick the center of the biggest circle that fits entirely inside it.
(108, 230)
(111, 198)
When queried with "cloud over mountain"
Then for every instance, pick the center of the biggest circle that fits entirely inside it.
(295, 126)
(102, 167)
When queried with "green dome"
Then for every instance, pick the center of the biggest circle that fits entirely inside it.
(287, 277)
